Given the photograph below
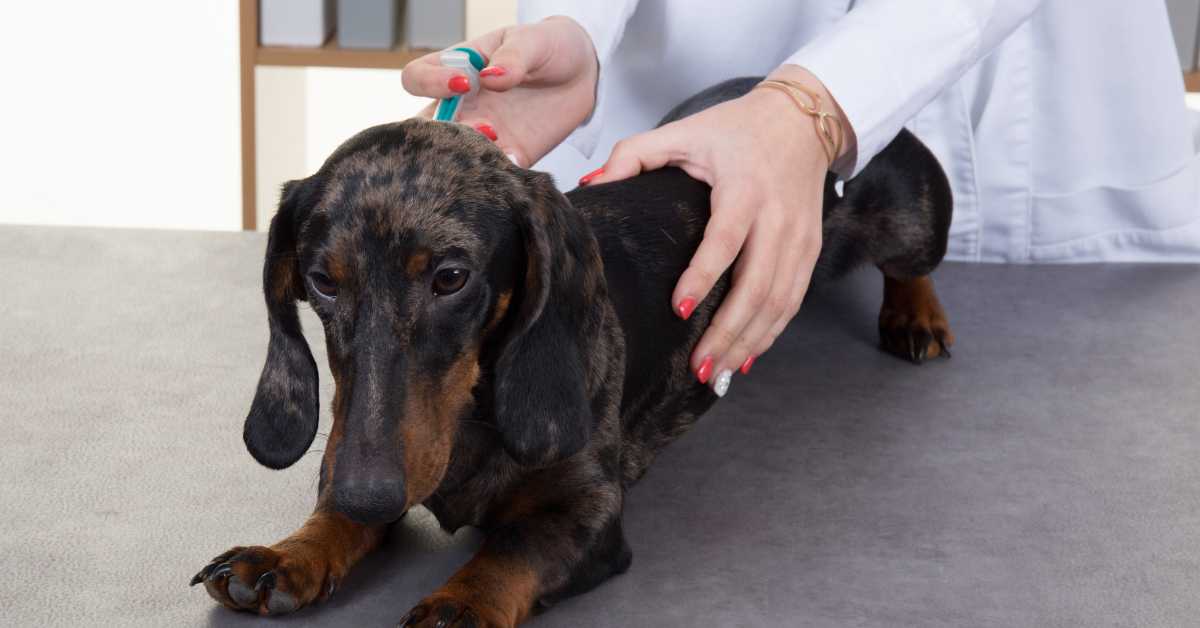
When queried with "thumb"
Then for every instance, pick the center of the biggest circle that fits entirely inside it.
(512, 62)
(640, 153)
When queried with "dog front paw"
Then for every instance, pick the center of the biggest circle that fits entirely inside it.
(445, 611)
(267, 581)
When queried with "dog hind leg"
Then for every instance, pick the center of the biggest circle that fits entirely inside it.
(895, 215)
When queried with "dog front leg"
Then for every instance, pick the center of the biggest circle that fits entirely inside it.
(548, 550)
(295, 572)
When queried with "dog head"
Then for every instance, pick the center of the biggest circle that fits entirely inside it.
(446, 279)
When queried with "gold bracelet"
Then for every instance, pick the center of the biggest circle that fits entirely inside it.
(831, 141)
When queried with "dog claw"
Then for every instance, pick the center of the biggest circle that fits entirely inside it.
(448, 614)
(265, 581)
(923, 340)
(207, 571)
(412, 618)
(331, 587)
(912, 349)
(222, 571)
(910, 345)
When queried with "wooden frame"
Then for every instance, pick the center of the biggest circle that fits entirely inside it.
(248, 38)
(253, 55)
(1192, 82)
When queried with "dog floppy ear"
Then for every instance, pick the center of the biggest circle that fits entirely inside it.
(283, 417)
(542, 402)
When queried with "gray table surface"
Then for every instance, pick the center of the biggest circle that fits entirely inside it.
(1047, 475)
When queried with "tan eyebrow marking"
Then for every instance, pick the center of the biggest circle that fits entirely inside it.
(417, 262)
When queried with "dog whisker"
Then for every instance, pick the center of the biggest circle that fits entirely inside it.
(475, 422)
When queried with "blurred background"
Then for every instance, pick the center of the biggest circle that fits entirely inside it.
(189, 115)
(140, 102)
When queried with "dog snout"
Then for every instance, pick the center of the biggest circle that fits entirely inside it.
(370, 500)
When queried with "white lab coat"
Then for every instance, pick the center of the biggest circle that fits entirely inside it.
(1061, 123)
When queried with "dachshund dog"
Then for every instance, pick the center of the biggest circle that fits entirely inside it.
(508, 357)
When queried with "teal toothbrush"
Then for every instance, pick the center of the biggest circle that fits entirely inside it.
(470, 63)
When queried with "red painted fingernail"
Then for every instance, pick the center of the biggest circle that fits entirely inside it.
(459, 84)
(587, 178)
(705, 370)
(747, 364)
(686, 307)
(494, 70)
(487, 131)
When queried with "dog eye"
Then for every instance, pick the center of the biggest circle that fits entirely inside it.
(449, 280)
(323, 284)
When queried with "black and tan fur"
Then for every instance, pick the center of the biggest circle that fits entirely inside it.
(528, 401)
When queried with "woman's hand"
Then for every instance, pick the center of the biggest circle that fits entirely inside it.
(766, 165)
(539, 84)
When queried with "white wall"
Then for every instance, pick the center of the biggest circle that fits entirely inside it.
(337, 104)
(126, 112)
(1185, 15)
(280, 122)
(304, 114)
(120, 113)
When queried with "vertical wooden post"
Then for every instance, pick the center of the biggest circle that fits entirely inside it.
(248, 24)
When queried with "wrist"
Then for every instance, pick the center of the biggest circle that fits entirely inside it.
(828, 104)
(786, 126)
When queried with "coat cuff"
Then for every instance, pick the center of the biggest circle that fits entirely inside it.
(881, 76)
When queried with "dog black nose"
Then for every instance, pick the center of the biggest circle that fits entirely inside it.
(370, 501)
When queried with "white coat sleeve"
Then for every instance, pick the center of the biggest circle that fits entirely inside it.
(887, 59)
(605, 24)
